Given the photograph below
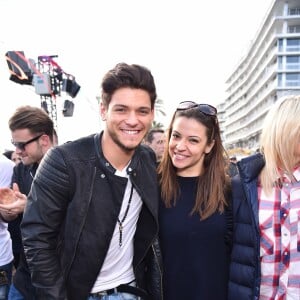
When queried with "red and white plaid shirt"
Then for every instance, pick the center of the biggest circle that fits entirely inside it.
(279, 222)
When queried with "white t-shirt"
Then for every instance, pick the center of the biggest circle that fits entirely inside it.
(117, 267)
(6, 171)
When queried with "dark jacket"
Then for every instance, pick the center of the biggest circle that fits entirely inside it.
(232, 169)
(23, 176)
(244, 280)
(81, 197)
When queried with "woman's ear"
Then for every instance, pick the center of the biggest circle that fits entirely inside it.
(209, 147)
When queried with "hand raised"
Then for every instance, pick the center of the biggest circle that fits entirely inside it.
(12, 201)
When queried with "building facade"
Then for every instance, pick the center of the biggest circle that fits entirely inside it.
(270, 69)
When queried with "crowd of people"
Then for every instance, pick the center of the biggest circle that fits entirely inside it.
(135, 212)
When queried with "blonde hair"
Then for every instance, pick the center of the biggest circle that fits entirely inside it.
(279, 139)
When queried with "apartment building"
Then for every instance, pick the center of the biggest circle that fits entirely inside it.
(270, 69)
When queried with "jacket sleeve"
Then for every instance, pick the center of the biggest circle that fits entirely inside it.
(41, 224)
(154, 271)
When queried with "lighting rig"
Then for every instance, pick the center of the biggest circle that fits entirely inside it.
(48, 79)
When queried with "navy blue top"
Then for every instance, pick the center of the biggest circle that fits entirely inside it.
(195, 254)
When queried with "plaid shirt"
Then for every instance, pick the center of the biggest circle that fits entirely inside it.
(279, 222)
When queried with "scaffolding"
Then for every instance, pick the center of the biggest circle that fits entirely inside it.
(50, 76)
(48, 79)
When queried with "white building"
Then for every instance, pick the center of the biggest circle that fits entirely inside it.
(269, 70)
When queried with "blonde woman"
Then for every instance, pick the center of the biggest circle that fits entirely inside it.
(265, 261)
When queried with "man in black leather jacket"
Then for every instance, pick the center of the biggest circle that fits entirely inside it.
(32, 133)
(90, 225)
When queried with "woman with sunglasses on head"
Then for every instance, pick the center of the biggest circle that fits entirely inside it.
(195, 219)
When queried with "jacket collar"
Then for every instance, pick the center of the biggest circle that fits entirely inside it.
(250, 167)
(132, 165)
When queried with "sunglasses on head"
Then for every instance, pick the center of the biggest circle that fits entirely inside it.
(207, 109)
(22, 145)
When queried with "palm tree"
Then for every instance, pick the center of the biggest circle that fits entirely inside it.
(159, 113)
(157, 125)
(159, 107)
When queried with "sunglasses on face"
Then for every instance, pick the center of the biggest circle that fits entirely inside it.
(207, 109)
(22, 145)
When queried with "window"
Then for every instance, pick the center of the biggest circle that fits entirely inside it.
(292, 79)
(292, 45)
(293, 62)
(279, 78)
(294, 11)
(294, 29)
(280, 62)
(280, 45)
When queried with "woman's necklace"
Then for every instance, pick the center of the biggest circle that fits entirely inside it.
(120, 222)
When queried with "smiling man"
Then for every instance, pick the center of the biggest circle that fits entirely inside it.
(91, 220)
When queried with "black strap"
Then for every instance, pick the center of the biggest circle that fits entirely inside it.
(125, 288)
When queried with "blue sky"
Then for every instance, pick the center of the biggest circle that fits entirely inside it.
(190, 46)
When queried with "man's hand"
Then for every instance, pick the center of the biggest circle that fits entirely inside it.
(13, 207)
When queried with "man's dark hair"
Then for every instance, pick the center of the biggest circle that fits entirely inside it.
(132, 76)
(150, 135)
(32, 118)
(8, 153)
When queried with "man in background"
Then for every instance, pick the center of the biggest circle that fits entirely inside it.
(232, 168)
(156, 140)
(12, 155)
(32, 134)
(6, 255)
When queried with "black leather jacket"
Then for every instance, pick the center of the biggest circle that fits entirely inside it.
(71, 214)
(23, 176)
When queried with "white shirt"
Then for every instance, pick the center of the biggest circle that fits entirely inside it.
(117, 267)
(6, 171)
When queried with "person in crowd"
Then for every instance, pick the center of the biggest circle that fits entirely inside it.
(6, 254)
(232, 167)
(14, 226)
(91, 224)
(156, 140)
(12, 155)
(32, 135)
(266, 208)
(195, 218)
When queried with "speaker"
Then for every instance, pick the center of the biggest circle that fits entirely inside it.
(68, 108)
(71, 87)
